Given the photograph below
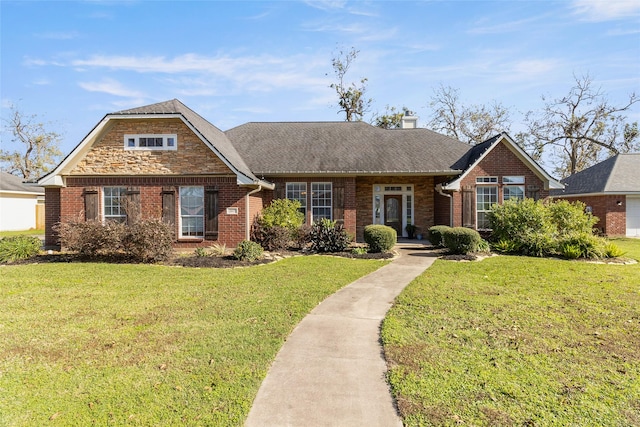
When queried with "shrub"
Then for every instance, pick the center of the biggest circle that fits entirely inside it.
(586, 244)
(271, 239)
(611, 250)
(247, 251)
(91, 238)
(200, 252)
(18, 247)
(328, 236)
(380, 238)
(359, 250)
(435, 234)
(462, 240)
(570, 251)
(219, 249)
(505, 246)
(302, 235)
(571, 218)
(517, 219)
(282, 213)
(149, 240)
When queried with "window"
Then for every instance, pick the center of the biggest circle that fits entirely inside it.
(298, 191)
(320, 200)
(513, 192)
(192, 212)
(513, 179)
(151, 142)
(113, 203)
(485, 198)
(486, 179)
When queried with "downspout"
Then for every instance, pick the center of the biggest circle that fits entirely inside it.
(247, 229)
(439, 190)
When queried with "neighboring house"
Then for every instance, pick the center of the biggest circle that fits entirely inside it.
(170, 163)
(21, 205)
(611, 191)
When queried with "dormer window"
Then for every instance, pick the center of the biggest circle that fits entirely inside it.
(151, 142)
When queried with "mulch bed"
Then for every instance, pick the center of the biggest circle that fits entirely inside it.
(191, 260)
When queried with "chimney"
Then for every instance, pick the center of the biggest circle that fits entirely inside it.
(409, 122)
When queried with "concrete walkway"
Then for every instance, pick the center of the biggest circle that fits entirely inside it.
(331, 371)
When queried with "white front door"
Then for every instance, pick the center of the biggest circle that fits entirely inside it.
(633, 216)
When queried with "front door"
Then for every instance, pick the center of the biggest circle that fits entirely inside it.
(393, 212)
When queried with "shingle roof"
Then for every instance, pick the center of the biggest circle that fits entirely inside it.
(10, 182)
(343, 148)
(618, 174)
(215, 136)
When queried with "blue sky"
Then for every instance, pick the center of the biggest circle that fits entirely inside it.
(234, 62)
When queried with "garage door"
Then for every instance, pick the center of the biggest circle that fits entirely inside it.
(633, 216)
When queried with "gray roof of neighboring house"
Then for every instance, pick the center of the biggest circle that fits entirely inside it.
(344, 148)
(215, 136)
(618, 174)
(10, 182)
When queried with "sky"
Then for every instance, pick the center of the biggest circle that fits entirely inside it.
(71, 62)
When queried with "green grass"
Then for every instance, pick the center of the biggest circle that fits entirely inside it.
(104, 344)
(518, 341)
(32, 232)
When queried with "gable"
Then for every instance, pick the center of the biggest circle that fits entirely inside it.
(499, 156)
(108, 156)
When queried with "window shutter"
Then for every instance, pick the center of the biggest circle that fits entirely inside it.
(169, 205)
(338, 203)
(210, 213)
(468, 208)
(533, 192)
(132, 207)
(91, 205)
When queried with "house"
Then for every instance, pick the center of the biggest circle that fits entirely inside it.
(170, 163)
(611, 191)
(21, 205)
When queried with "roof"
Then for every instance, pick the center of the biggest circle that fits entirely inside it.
(470, 159)
(14, 184)
(616, 175)
(344, 148)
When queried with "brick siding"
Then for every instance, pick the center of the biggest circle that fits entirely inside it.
(612, 216)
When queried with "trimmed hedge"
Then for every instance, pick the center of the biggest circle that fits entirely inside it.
(462, 240)
(435, 234)
(380, 238)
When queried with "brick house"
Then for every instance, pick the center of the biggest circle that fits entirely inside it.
(611, 191)
(170, 163)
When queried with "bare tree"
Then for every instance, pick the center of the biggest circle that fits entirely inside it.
(471, 124)
(581, 128)
(351, 98)
(34, 149)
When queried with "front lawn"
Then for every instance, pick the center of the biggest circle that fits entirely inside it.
(120, 344)
(518, 341)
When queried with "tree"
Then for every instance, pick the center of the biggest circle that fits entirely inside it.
(351, 99)
(34, 150)
(471, 124)
(392, 118)
(581, 128)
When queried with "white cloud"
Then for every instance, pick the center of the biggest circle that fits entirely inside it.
(606, 10)
(111, 87)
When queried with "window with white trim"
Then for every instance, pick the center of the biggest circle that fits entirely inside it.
(513, 179)
(320, 200)
(298, 191)
(192, 212)
(486, 179)
(151, 142)
(486, 197)
(113, 204)
(513, 192)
